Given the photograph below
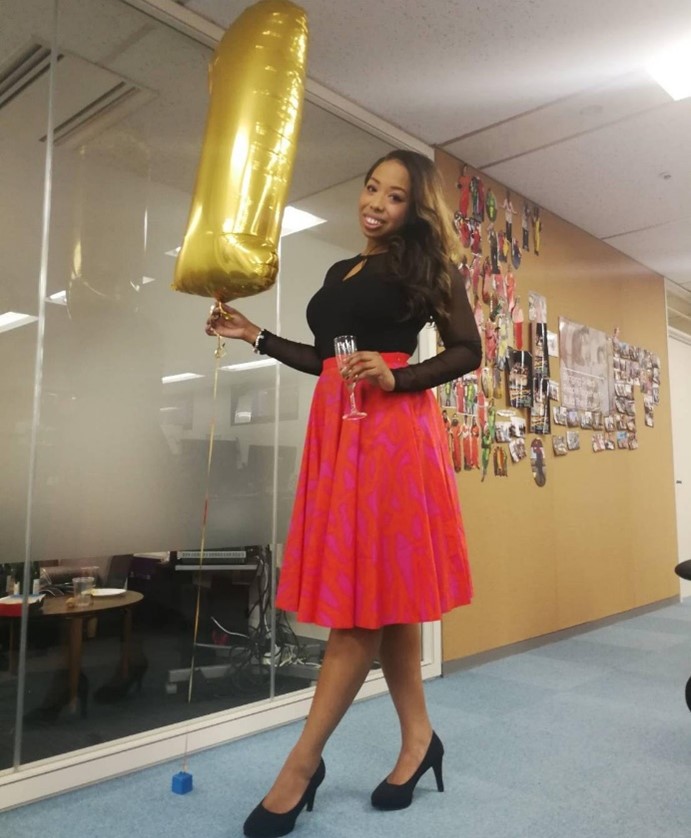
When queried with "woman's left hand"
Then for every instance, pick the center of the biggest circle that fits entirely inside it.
(370, 365)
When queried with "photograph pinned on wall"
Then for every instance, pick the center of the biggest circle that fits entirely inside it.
(471, 447)
(537, 462)
(501, 461)
(620, 421)
(559, 415)
(517, 449)
(598, 424)
(502, 425)
(573, 440)
(587, 375)
(506, 337)
(465, 393)
(559, 446)
(629, 350)
(609, 442)
(633, 442)
(540, 356)
(537, 307)
(609, 422)
(622, 439)
(552, 344)
(447, 394)
(620, 404)
(587, 419)
(502, 430)
(517, 428)
(656, 369)
(656, 393)
(630, 407)
(540, 418)
(520, 378)
(646, 385)
(631, 423)
(553, 389)
(573, 419)
(598, 443)
(649, 412)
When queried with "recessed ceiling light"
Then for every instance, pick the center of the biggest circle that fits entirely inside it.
(59, 298)
(14, 319)
(147, 279)
(671, 69)
(182, 376)
(294, 221)
(251, 365)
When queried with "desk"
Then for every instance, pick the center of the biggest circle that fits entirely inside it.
(57, 607)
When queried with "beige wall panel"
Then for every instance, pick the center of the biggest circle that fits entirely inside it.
(599, 538)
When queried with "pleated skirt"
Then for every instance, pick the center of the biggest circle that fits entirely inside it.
(376, 536)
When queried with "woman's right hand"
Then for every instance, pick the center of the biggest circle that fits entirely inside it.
(227, 322)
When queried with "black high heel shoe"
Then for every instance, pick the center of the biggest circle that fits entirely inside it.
(389, 796)
(118, 687)
(265, 824)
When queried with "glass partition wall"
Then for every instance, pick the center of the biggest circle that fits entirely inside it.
(108, 398)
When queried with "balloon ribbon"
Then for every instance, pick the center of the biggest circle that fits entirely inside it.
(219, 353)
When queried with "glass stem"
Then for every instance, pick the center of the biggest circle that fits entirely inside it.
(353, 406)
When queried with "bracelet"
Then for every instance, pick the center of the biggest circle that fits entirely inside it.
(256, 346)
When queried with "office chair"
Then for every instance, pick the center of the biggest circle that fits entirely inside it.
(683, 570)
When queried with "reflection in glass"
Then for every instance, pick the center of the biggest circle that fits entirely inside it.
(123, 440)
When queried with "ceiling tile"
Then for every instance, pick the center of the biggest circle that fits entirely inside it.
(609, 182)
(584, 112)
(440, 69)
(665, 249)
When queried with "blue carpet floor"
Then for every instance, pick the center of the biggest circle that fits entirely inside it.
(587, 737)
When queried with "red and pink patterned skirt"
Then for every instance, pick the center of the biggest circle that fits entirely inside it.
(376, 535)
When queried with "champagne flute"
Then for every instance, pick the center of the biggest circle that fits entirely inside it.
(344, 347)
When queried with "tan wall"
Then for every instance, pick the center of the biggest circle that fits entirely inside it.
(600, 537)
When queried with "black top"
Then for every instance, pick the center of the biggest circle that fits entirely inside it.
(371, 306)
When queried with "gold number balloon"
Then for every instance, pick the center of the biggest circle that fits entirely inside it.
(256, 80)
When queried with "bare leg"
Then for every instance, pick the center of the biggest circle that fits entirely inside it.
(400, 660)
(348, 659)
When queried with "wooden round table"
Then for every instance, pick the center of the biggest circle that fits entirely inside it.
(75, 616)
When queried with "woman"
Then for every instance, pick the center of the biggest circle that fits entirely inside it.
(376, 543)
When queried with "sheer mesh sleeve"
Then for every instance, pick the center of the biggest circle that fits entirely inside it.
(299, 356)
(462, 351)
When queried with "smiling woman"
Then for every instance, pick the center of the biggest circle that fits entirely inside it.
(384, 204)
(370, 577)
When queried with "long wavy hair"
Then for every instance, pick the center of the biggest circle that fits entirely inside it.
(422, 252)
